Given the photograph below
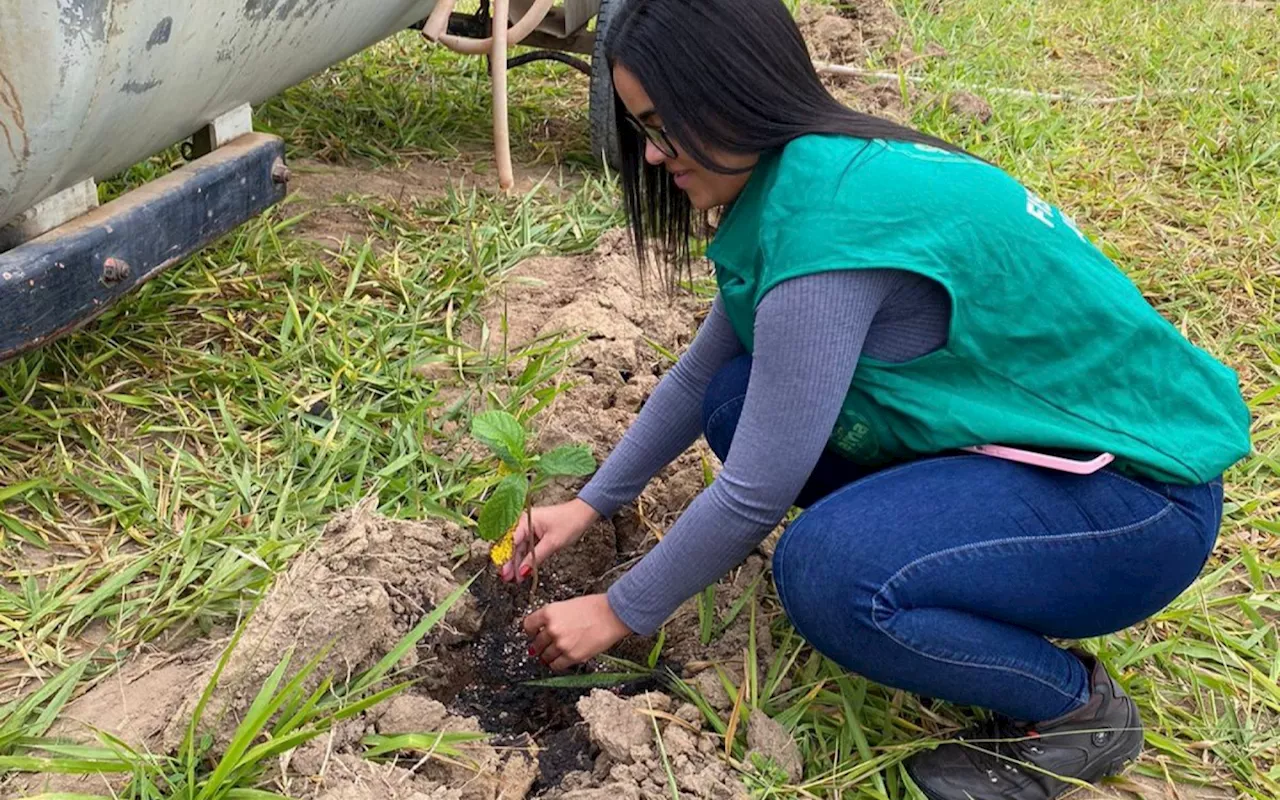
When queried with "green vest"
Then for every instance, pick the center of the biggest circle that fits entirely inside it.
(1051, 346)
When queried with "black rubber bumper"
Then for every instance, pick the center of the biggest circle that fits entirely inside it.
(57, 282)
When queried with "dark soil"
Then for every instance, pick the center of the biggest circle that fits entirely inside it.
(369, 579)
(487, 679)
(486, 674)
(564, 751)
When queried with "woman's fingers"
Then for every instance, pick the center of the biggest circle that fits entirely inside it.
(550, 654)
(526, 567)
(523, 545)
(563, 663)
(544, 646)
(535, 622)
(537, 549)
(540, 644)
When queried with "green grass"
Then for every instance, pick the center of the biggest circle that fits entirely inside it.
(161, 465)
(170, 457)
(284, 714)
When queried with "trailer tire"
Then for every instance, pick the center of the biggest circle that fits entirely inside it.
(604, 130)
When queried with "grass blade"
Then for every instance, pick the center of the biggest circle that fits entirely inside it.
(411, 639)
(264, 704)
(424, 743)
(53, 696)
(591, 680)
(63, 766)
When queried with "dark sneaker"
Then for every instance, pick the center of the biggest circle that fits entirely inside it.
(1008, 760)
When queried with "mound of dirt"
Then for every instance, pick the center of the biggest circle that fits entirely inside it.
(364, 585)
(854, 33)
(850, 32)
(368, 580)
(631, 764)
(602, 299)
(766, 737)
(969, 106)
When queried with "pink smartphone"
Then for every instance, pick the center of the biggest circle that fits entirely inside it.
(1059, 463)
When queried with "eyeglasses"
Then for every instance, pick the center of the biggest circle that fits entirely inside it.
(655, 134)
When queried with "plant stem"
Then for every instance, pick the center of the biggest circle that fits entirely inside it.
(528, 510)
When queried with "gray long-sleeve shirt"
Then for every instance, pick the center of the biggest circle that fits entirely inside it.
(809, 334)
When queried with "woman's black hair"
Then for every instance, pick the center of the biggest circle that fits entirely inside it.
(726, 75)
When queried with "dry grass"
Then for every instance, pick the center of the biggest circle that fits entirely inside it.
(161, 465)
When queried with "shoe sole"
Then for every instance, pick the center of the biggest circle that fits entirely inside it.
(1114, 767)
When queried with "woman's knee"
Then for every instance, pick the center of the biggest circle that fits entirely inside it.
(830, 599)
(722, 404)
(823, 591)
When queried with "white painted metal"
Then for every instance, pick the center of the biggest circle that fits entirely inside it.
(49, 213)
(226, 128)
(231, 125)
(569, 18)
(90, 87)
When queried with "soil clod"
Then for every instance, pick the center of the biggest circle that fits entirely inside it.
(368, 580)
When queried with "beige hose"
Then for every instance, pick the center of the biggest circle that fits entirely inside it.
(525, 26)
(438, 23)
(498, 63)
(496, 46)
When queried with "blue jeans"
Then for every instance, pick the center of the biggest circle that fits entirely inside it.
(944, 576)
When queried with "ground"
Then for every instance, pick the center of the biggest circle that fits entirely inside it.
(294, 400)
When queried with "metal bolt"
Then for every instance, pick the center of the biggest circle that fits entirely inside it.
(279, 172)
(114, 270)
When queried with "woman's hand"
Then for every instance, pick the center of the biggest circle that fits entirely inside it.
(554, 527)
(573, 631)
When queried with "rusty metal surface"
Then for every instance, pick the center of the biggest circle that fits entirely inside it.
(90, 87)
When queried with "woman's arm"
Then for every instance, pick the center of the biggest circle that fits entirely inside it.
(670, 420)
(809, 333)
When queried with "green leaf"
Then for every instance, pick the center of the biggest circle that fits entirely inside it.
(445, 744)
(189, 739)
(274, 747)
(503, 508)
(572, 459)
(656, 652)
(592, 680)
(410, 640)
(292, 692)
(706, 614)
(736, 608)
(17, 490)
(62, 766)
(307, 712)
(349, 710)
(502, 433)
(701, 702)
(264, 705)
(92, 604)
(53, 695)
(67, 796)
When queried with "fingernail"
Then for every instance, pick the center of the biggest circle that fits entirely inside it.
(526, 571)
(532, 652)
